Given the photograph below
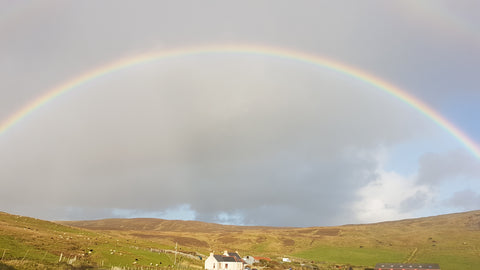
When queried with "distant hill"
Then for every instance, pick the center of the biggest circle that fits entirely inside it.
(451, 240)
(154, 224)
(28, 243)
(467, 220)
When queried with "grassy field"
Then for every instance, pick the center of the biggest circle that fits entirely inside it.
(453, 241)
(352, 255)
(27, 243)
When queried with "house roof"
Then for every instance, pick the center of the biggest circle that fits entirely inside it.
(223, 258)
(234, 254)
(388, 266)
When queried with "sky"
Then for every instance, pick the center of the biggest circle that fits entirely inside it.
(239, 137)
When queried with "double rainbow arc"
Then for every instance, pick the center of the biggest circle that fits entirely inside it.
(252, 50)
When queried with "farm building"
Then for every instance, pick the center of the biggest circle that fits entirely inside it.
(226, 261)
(407, 266)
(251, 259)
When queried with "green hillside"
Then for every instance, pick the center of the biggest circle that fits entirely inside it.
(451, 240)
(27, 243)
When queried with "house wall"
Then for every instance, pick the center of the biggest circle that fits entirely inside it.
(249, 260)
(232, 265)
(211, 263)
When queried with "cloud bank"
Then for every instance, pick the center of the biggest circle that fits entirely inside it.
(237, 139)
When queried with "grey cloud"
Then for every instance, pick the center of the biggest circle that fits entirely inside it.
(236, 137)
(414, 202)
(436, 168)
(464, 200)
(221, 139)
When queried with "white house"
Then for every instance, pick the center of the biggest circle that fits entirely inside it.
(251, 259)
(226, 261)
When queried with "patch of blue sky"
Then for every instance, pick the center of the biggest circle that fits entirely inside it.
(230, 218)
(179, 212)
(461, 111)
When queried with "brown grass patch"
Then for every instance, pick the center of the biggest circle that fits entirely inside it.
(228, 240)
(288, 242)
(327, 232)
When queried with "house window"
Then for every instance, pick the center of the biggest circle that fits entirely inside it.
(226, 266)
(213, 265)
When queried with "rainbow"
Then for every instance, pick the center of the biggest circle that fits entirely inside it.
(251, 50)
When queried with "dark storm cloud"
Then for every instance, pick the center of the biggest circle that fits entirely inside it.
(243, 139)
(247, 137)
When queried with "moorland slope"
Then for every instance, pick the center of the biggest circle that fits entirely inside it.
(451, 240)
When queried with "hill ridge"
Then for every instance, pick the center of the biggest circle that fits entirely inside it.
(452, 240)
(179, 225)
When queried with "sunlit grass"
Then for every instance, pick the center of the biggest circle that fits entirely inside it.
(27, 243)
(352, 255)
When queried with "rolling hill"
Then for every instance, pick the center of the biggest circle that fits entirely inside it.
(28, 243)
(451, 240)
